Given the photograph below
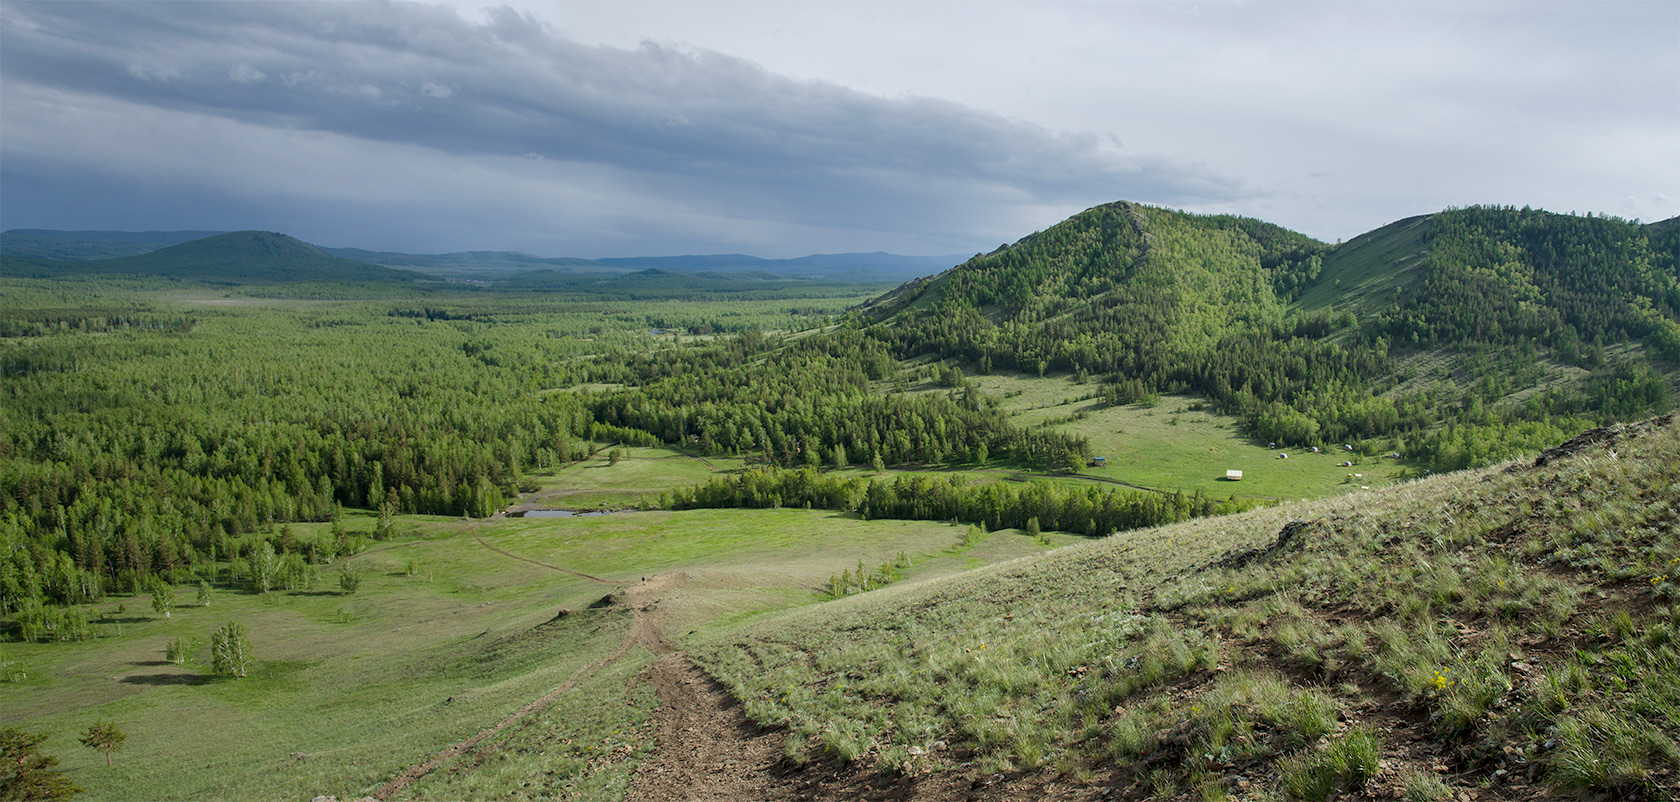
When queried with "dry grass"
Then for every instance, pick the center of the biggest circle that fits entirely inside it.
(1519, 621)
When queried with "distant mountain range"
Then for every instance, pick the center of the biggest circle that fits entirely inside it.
(239, 257)
(103, 246)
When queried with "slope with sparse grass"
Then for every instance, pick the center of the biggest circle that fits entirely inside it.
(1512, 630)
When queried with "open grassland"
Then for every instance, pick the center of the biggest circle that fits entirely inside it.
(442, 637)
(730, 564)
(446, 636)
(1178, 444)
(633, 480)
(1513, 631)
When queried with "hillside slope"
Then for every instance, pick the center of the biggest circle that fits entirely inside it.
(1509, 633)
(1455, 338)
(240, 257)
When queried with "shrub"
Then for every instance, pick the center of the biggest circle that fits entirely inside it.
(350, 578)
(230, 650)
(176, 650)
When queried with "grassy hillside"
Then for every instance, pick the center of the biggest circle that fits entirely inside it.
(454, 627)
(241, 257)
(1511, 631)
(1364, 273)
(1537, 325)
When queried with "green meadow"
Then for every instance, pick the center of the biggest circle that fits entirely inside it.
(634, 479)
(444, 637)
(1181, 444)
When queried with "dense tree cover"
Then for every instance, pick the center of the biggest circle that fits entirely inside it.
(995, 505)
(1502, 276)
(807, 400)
(134, 454)
(1159, 301)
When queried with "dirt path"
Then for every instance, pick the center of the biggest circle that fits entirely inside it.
(707, 750)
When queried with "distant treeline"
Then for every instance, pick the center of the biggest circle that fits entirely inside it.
(923, 497)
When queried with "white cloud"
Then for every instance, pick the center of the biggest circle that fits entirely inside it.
(246, 74)
(152, 72)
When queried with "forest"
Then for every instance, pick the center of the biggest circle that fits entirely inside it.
(163, 428)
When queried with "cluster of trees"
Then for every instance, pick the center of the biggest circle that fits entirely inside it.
(815, 401)
(994, 505)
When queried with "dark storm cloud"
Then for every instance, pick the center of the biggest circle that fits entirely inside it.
(694, 129)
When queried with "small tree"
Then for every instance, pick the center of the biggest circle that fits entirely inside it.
(203, 593)
(105, 737)
(175, 651)
(25, 773)
(163, 597)
(265, 567)
(350, 578)
(387, 514)
(879, 465)
(1033, 530)
(612, 457)
(230, 650)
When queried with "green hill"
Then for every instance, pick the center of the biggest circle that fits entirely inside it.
(240, 257)
(1456, 338)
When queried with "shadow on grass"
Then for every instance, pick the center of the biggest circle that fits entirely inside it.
(168, 679)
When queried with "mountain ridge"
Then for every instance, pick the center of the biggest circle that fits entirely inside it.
(64, 245)
(249, 257)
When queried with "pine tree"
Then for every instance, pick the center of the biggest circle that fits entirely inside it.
(25, 773)
(104, 736)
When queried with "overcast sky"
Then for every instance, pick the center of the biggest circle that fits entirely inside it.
(782, 129)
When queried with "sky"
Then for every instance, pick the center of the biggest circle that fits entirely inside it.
(782, 129)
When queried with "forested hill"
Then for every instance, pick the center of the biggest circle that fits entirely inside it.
(240, 257)
(1458, 337)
